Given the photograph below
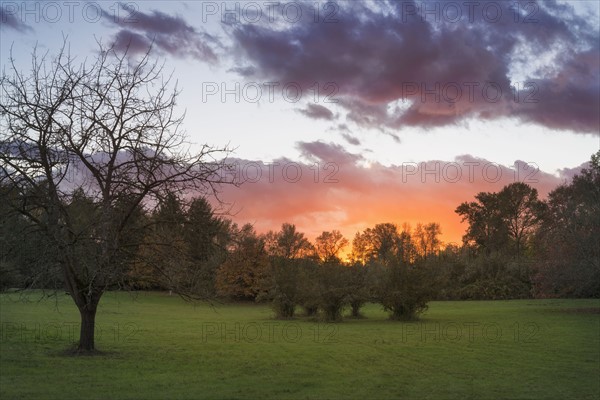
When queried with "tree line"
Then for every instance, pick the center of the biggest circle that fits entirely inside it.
(515, 246)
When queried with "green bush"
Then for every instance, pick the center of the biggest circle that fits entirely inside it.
(404, 289)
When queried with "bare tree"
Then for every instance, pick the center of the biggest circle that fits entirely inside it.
(107, 131)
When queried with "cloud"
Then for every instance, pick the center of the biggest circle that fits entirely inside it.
(9, 16)
(567, 174)
(397, 66)
(327, 152)
(570, 98)
(131, 41)
(170, 34)
(317, 111)
(351, 139)
(336, 189)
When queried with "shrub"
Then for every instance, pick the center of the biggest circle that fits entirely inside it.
(359, 288)
(404, 289)
(280, 286)
(333, 286)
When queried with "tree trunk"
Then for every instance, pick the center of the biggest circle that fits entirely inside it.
(88, 325)
(87, 304)
(355, 309)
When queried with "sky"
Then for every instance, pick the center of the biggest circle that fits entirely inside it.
(346, 114)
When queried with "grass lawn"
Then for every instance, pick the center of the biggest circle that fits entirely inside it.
(159, 347)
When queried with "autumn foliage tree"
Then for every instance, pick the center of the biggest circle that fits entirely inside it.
(244, 269)
(184, 244)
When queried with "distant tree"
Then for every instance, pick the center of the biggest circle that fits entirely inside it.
(487, 230)
(426, 239)
(450, 267)
(361, 248)
(106, 127)
(208, 237)
(407, 249)
(522, 212)
(241, 274)
(288, 243)
(567, 244)
(329, 244)
(493, 277)
(182, 248)
(501, 228)
(504, 221)
(163, 253)
(27, 258)
(377, 243)
(384, 240)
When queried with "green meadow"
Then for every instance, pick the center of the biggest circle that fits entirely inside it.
(154, 346)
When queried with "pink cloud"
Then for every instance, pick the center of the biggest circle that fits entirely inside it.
(348, 195)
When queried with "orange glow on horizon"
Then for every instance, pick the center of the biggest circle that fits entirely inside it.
(361, 197)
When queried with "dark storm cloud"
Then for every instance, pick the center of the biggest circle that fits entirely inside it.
(381, 53)
(171, 34)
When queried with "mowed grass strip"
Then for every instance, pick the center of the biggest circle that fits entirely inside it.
(157, 346)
